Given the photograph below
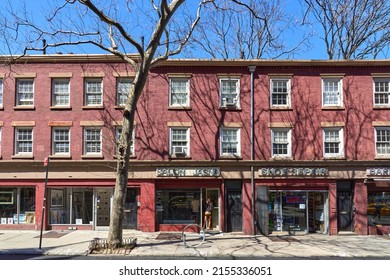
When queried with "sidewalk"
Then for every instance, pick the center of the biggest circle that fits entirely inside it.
(228, 245)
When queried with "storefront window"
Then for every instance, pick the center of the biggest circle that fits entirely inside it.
(177, 206)
(378, 208)
(17, 205)
(70, 206)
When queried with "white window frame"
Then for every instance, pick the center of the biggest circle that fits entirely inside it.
(18, 141)
(288, 142)
(55, 141)
(123, 85)
(384, 92)
(24, 98)
(85, 142)
(172, 145)
(288, 92)
(118, 132)
(92, 93)
(63, 94)
(224, 142)
(1, 93)
(229, 98)
(172, 103)
(340, 141)
(387, 143)
(330, 94)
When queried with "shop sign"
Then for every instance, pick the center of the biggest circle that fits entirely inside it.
(188, 172)
(294, 171)
(378, 171)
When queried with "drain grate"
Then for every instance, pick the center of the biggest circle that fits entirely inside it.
(169, 236)
(53, 234)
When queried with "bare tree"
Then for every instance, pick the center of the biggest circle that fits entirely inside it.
(351, 29)
(153, 30)
(247, 32)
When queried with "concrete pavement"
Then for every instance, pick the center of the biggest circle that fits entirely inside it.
(227, 245)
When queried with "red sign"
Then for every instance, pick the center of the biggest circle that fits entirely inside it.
(45, 162)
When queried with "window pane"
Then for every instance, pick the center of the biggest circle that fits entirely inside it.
(93, 140)
(24, 140)
(1, 92)
(378, 208)
(383, 141)
(279, 92)
(280, 143)
(382, 93)
(229, 141)
(94, 92)
(61, 92)
(123, 89)
(179, 92)
(25, 92)
(61, 140)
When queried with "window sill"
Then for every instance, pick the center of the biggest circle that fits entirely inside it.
(22, 157)
(131, 157)
(330, 108)
(280, 158)
(281, 108)
(384, 157)
(334, 158)
(1, 108)
(99, 107)
(231, 157)
(21, 107)
(180, 157)
(178, 108)
(381, 107)
(60, 156)
(92, 156)
(119, 107)
(60, 108)
(230, 108)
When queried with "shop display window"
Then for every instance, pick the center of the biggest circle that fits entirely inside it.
(70, 206)
(17, 205)
(177, 206)
(378, 208)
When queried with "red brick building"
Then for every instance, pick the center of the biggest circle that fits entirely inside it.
(278, 146)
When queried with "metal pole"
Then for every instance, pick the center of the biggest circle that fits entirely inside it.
(46, 163)
(252, 70)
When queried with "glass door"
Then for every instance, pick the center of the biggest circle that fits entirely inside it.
(214, 197)
(294, 205)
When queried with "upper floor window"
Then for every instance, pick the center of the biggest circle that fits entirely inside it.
(123, 87)
(25, 92)
(1, 93)
(280, 92)
(333, 142)
(230, 92)
(382, 141)
(61, 92)
(281, 142)
(179, 142)
(179, 94)
(118, 133)
(230, 142)
(332, 92)
(23, 141)
(61, 141)
(92, 141)
(93, 92)
(382, 92)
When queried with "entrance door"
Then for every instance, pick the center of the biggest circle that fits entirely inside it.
(344, 205)
(214, 197)
(103, 206)
(130, 211)
(233, 206)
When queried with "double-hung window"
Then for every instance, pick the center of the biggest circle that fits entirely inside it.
(123, 87)
(180, 143)
(179, 92)
(93, 92)
(92, 141)
(61, 92)
(382, 92)
(25, 92)
(23, 141)
(61, 141)
(230, 142)
(230, 92)
(118, 133)
(1, 93)
(382, 141)
(333, 142)
(281, 142)
(332, 92)
(280, 92)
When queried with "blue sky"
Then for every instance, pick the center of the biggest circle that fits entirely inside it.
(35, 7)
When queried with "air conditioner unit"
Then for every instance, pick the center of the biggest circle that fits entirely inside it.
(179, 150)
(231, 101)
